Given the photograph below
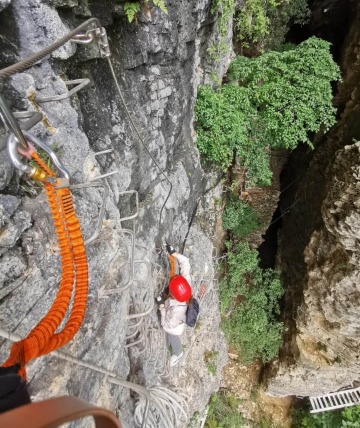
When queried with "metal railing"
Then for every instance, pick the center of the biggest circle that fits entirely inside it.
(335, 400)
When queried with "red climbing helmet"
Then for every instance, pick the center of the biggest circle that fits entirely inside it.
(180, 288)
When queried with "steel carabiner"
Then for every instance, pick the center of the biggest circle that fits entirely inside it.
(33, 172)
(11, 123)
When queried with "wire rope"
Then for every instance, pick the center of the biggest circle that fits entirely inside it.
(137, 133)
(34, 58)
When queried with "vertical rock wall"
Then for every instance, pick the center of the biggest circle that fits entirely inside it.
(319, 253)
(159, 62)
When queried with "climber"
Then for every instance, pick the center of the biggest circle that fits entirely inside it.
(173, 304)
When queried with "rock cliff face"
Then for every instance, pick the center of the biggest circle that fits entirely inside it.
(320, 261)
(159, 62)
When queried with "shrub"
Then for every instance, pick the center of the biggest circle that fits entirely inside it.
(219, 48)
(348, 417)
(351, 417)
(131, 8)
(281, 18)
(224, 122)
(264, 23)
(273, 101)
(240, 218)
(240, 262)
(252, 326)
(252, 21)
(223, 412)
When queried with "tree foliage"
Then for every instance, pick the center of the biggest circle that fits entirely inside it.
(252, 21)
(253, 296)
(239, 217)
(291, 91)
(348, 417)
(272, 101)
(264, 23)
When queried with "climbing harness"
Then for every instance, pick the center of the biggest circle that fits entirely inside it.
(44, 338)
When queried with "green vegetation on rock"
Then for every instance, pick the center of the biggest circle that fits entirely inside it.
(239, 218)
(210, 358)
(264, 23)
(348, 417)
(223, 411)
(131, 8)
(249, 299)
(273, 101)
(281, 19)
(252, 21)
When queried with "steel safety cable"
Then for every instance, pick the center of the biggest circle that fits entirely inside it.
(43, 339)
(137, 132)
(33, 59)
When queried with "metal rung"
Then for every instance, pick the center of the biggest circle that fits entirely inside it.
(33, 118)
(80, 84)
(136, 213)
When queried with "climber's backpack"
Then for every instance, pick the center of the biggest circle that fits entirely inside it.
(192, 313)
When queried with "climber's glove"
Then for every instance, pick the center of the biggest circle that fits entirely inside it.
(160, 300)
(170, 249)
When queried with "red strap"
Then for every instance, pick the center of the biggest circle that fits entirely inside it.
(54, 412)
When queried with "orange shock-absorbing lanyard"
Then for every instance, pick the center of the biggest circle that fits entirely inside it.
(43, 338)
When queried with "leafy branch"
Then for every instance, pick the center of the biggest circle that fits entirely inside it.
(131, 9)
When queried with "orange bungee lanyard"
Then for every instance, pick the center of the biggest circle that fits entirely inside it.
(44, 338)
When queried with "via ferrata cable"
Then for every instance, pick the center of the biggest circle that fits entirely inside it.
(137, 133)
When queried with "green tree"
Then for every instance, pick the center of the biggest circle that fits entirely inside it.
(291, 90)
(252, 21)
(273, 101)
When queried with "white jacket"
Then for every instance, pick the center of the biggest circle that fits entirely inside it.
(173, 317)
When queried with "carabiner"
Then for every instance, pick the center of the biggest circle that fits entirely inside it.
(11, 123)
(13, 152)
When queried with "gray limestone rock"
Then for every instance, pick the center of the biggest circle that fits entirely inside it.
(319, 256)
(4, 4)
(6, 170)
(13, 266)
(156, 65)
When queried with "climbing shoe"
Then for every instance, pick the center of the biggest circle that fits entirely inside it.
(174, 359)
